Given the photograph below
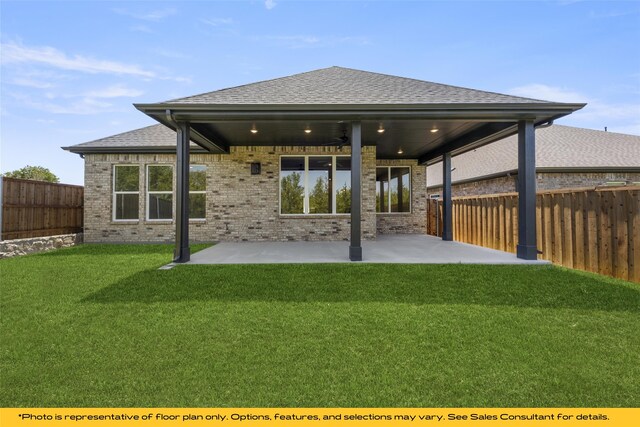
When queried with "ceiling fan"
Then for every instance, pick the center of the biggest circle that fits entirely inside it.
(340, 141)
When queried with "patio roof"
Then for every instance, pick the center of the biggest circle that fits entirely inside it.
(327, 100)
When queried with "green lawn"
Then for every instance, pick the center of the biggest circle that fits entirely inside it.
(99, 325)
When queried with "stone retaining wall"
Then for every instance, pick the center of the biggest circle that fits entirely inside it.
(11, 248)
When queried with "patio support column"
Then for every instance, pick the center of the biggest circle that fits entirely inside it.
(447, 218)
(181, 252)
(526, 248)
(355, 248)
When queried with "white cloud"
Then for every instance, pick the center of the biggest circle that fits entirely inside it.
(153, 16)
(178, 79)
(82, 106)
(270, 4)
(296, 40)
(216, 22)
(115, 91)
(17, 53)
(617, 117)
(548, 93)
(29, 82)
(141, 29)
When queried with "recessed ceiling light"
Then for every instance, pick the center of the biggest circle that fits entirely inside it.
(434, 130)
(380, 129)
(254, 131)
(307, 130)
(400, 151)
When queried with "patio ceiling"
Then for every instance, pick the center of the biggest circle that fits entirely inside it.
(217, 128)
(328, 100)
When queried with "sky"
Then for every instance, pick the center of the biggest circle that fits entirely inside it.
(70, 71)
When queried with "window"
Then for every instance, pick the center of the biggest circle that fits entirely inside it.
(197, 192)
(159, 192)
(126, 192)
(393, 189)
(315, 185)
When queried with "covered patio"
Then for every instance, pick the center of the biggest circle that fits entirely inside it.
(402, 118)
(393, 249)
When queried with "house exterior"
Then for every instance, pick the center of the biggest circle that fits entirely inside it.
(232, 204)
(331, 154)
(566, 157)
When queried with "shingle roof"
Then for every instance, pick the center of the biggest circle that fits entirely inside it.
(150, 137)
(337, 85)
(557, 146)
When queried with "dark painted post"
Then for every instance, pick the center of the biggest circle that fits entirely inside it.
(447, 218)
(355, 248)
(182, 252)
(527, 248)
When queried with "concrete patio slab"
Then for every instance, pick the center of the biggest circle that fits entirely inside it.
(404, 249)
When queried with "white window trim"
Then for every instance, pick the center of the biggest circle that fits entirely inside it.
(148, 193)
(200, 192)
(114, 194)
(388, 212)
(305, 202)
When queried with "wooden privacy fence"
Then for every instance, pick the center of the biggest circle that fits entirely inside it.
(36, 208)
(595, 230)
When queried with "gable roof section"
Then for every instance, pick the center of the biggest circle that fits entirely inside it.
(562, 148)
(338, 85)
(150, 139)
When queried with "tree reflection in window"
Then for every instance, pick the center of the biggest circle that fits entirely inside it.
(393, 189)
(292, 185)
(329, 185)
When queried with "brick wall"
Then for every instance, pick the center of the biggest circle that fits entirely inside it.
(544, 181)
(240, 206)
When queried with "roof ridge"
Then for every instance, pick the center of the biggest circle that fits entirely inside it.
(596, 130)
(442, 86)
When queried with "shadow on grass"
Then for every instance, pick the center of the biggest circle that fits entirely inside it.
(490, 285)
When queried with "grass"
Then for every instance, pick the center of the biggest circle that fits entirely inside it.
(99, 325)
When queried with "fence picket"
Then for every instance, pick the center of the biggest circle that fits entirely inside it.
(596, 230)
(35, 209)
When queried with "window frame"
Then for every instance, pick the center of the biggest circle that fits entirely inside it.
(305, 180)
(199, 192)
(114, 193)
(171, 192)
(388, 211)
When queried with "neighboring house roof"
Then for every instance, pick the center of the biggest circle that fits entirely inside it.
(154, 138)
(338, 85)
(560, 148)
